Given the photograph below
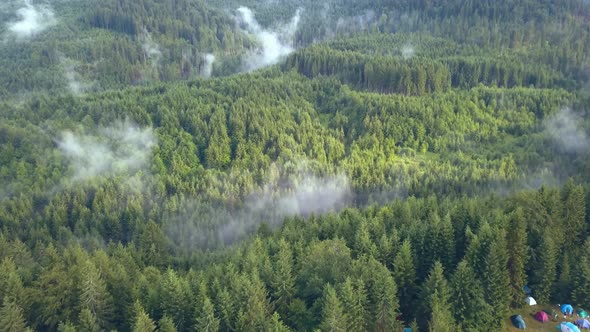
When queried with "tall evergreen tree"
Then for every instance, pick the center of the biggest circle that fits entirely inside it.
(354, 299)
(87, 321)
(386, 305)
(276, 325)
(66, 327)
(518, 257)
(206, 320)
(282, 280)
(441, 318)
(574, 215)
(143, 322)
(496, 280)
(446, 243)
(175, 299)
(94, 295)
(581, 278)
(11, 318)
(333, 317)
(165, 324)
(435, 292)
(404, 273)
(544, 272)
(467, 299)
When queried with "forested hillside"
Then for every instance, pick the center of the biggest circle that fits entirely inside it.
(291, 166)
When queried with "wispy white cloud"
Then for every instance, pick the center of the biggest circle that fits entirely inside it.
(274, 45)
(33, 19)
(565, 129)
(121, 148)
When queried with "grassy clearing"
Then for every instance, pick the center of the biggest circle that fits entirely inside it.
(534, 325)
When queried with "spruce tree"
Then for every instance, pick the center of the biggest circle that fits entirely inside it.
(354, 299)
(386, 305)
(206, 320)
(404, 273)
(518, 257)
(441, 318)
(282, 280)
(165, 324)
(11, 318)
(143, 322)
(581, 278)
(87, 321)
(333, 316)
(496, 280)
(435, 290)
(94, 295)
(446, 243)
(276, 325)
(544, 271)
(66, 327)
(574, 215)
(467, 298)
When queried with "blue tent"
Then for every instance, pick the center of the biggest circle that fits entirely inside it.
(527, 290)
(518, 322)
(567, 327)
(567, 309)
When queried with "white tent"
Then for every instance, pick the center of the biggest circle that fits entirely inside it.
(530, 301)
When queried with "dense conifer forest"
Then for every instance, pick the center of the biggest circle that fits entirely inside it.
(258, 165)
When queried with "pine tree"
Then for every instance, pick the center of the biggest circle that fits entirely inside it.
(143, 322)
(518, 257)
(446, 243)
(404, 273)
(206, 320)
(441, 318)
(282, 281)
(175, 299)
(219, 149)
(254, 313)
(333, 317)
(94, 295)
(166, 325)
(11, 318)
(467, 298)
(496, 280)
(87, 321)
(574, 215)
(11, 285)
(225, 309)
(276, 325)
(354, 299)
(385, 303)
(66, 327)
(435, 290)
(544, 271)
(581, 278)
(564, 285)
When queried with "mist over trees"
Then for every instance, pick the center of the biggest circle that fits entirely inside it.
(291, 165)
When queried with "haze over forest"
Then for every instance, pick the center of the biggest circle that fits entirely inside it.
(293, 165)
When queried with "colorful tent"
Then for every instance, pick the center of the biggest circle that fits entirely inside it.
(542, 316)
(567, 327)
(518, 322)
(527, 290)
(583, 323)
(581, 312)
(530, 301)
(567, 309)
